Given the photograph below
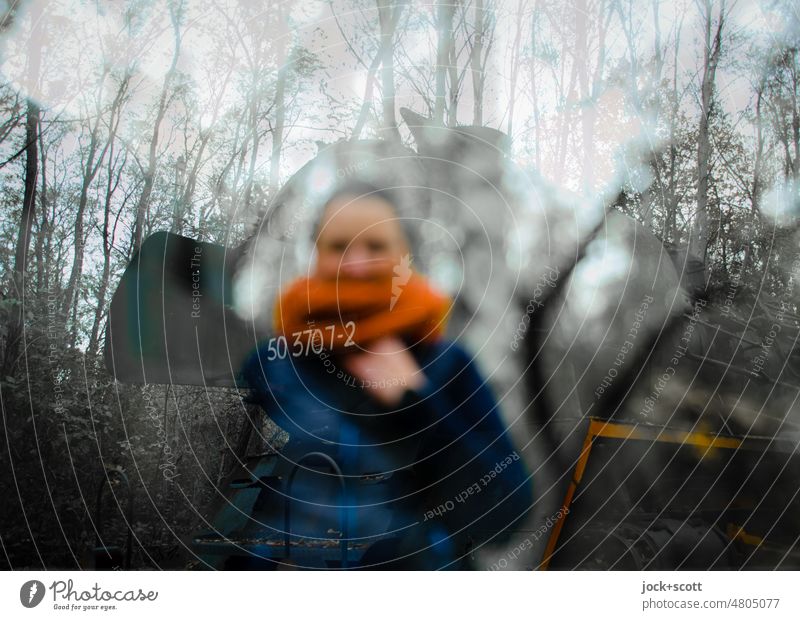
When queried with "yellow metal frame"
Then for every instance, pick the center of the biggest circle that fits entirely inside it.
(621, 430)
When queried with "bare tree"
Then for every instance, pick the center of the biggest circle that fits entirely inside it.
(516, 53)
(149, 172)
(280, 109)
(389, 14)
(445, 11)
(116, 163)
(534, 85)
(711, 54)
(93, 158)
(477, 61)
(29, 198)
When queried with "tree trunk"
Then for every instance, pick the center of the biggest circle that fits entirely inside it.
(255, 138)
(454, 83)
(535, 90)
(112, 184)
(41, 233)
(73, 284)
(23, 239)
(756, 188)
(280, 118)
(367, 103)
(671, 207)
(388, 17)
(795, 114)
(94, 159)
(29, 196)
(32, 119)
(515, 56)
(476, 64)
(445, 9)
(150, 172)
(699, 236)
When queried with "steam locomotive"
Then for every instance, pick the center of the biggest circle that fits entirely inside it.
(660, 426)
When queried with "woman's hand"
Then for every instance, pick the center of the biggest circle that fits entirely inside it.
(387, 370)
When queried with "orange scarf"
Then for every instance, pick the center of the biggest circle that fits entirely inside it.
(352, 312)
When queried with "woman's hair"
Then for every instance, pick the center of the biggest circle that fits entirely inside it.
(356, 189)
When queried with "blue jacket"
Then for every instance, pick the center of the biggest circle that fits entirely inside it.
(425, 479)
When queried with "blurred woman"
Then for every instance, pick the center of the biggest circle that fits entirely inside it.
(367, 378)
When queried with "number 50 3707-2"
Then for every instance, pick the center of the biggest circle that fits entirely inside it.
(310, 341)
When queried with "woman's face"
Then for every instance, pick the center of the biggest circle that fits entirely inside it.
(359, 238)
